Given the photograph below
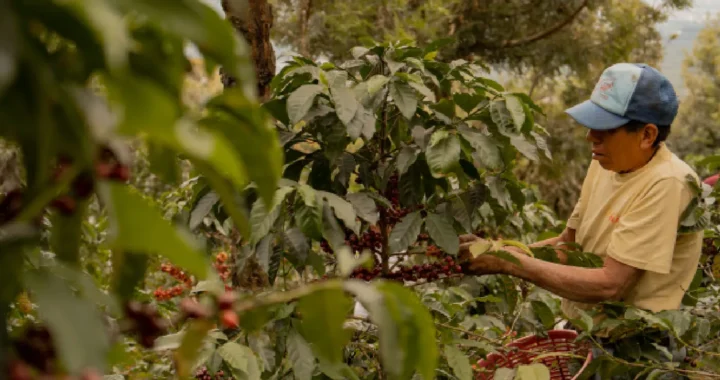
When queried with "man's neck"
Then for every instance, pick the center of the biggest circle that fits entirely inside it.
(645, 161)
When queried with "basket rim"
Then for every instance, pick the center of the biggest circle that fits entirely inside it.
(551, 334)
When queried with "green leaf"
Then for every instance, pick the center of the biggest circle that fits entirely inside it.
(202, 209)
(505, 374)
(405, 98)
(169, 342)
(309, 215)
(301, 356)
(297, 245)
(417, 331)
(585, 322)
(499, 191)
(488, 151)
(347, 261)
(544, 313)
(253, 135)
(443, 153)
(406, 330)
(261, 220)
(442, 233)
(66, 233)
(149, 110)
(423, 90)
(502, 117)
(533, 372)
(445, 107)
(376, 83)
(525, 147)
(76, 325)
(528, 101)
(163, 162)
(241, 358)
(459, 363)
(323, 314)
(677, 320)
(263, 252)
(363, 123)
(309, 219)
(343, 210)
(132, 220)
(515, 106)
(345, 103)
(467, 102)
(301, 100)
(332, 232)
(405, 232)
(407, 157)
(262, 346)
(364, 207)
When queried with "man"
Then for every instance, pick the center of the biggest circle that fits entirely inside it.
(630, 205)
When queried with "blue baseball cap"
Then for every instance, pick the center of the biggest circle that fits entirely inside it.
(625, 92)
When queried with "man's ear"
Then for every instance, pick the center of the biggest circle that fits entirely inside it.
(649, 135)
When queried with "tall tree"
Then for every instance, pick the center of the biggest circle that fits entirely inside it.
(254, 19)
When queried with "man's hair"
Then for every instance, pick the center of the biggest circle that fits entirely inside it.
(663, 130)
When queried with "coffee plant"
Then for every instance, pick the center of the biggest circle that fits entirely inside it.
(312, 236)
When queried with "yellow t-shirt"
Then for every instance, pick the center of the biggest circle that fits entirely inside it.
(634, 219)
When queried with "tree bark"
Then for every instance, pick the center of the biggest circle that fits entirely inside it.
(253, 20)
(303, 20)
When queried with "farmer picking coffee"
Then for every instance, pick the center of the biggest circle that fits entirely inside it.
(630, 206)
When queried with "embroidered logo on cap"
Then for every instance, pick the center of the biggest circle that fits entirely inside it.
(604, 86)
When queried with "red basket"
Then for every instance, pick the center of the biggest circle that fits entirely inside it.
(524, 350)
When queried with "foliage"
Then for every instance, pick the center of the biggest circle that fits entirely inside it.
(154, 239)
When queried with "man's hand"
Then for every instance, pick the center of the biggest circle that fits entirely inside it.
(482, 264)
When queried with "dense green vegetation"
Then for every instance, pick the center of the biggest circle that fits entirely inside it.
(152, 226)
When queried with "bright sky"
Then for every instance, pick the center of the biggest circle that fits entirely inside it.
(697, 13)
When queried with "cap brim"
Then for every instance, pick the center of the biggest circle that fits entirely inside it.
(595, 117)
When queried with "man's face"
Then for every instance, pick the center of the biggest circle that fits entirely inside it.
(617, 150)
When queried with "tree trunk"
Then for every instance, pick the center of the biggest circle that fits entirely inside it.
(303, 20)
(253, 19)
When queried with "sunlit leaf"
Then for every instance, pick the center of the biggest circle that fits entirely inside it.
(443, 153)
(301, 100)
(405, 98)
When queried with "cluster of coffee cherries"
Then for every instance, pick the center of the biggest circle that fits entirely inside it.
(221, 265)
(186, 282)
(228, 318)
(204, 374)
(371, 239)
(691, 361)
(429, 271)
(164, 294)
(107, 166)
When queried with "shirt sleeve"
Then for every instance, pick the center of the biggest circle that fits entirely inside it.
(645, 235)
(576, 216)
